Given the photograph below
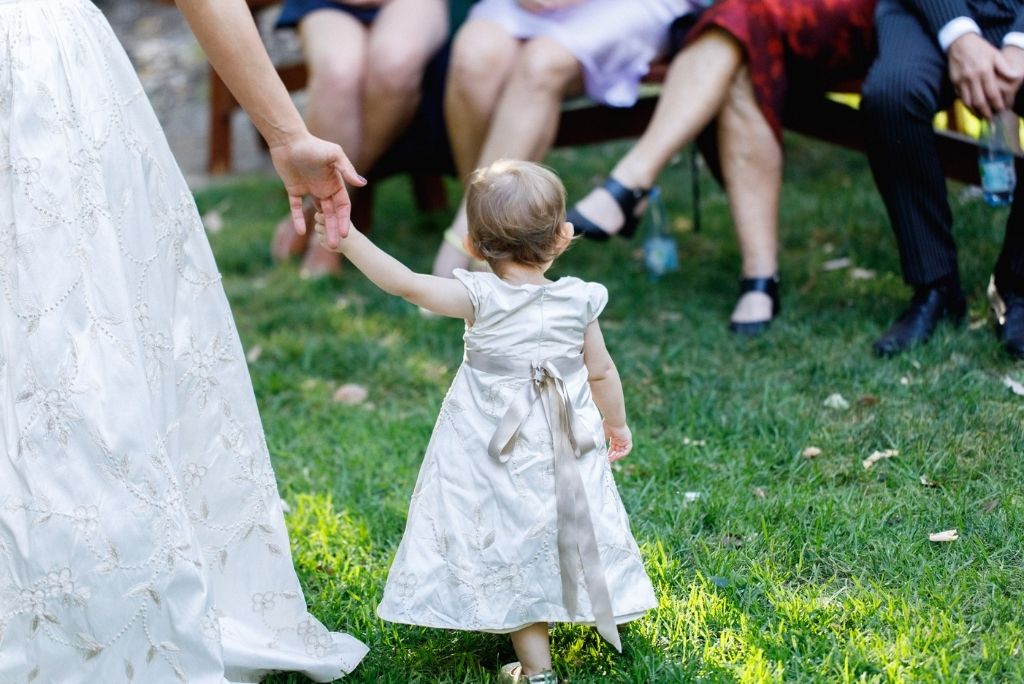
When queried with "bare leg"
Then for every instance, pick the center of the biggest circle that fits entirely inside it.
(533, 648)
(695, 89)
(482, 59)
(403, 38)
(525, 121)
(335, 45)
(751, 159)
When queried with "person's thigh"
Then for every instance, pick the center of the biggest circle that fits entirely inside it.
(407, 33)
(547, 63)
(483, 54)
(333, 42)
(910, 69)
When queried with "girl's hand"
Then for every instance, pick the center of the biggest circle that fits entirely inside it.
(311, 166)
(620, 441)
(320, 228)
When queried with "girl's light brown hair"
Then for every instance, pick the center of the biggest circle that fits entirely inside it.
(516, 210)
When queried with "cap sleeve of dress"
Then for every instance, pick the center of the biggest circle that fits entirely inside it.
(475, 289)
(597, 299)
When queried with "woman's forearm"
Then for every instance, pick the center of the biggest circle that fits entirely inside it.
(229, 38)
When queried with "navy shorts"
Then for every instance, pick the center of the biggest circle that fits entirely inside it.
(295, 11)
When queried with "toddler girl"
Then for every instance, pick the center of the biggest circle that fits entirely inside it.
(515, 521)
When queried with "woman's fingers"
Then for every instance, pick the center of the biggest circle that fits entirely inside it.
(298, 217)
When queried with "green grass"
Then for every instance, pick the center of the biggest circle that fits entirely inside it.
(786, 569)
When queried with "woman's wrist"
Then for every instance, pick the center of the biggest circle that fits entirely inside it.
(284, 133)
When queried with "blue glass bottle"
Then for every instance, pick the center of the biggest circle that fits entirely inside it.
(1000, 138)
(661, 254)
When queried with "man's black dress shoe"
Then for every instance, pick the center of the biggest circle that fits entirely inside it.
(1009, 310)
(917, 323)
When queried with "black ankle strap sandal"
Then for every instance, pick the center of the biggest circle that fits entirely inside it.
(626, 198)
(768, 286)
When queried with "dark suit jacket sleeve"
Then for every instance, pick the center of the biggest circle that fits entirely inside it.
(1018, 23)
(938, 13)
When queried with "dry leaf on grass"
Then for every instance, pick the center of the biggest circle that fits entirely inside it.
(867, 400)
(862, 274)
(836, 264)
(837, 402)
(254, 354)
(811, 452)
(690, 497)
(990, 505)
(731, 541)
(877, 456)
(977, 323)
(904, 380)
(927, 481)
(213, 221)
(760, 492)
(1014, 386)
(944, 536)
(351, 393)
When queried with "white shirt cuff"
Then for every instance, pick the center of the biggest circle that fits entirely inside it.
(1014, 38)
(957, 28)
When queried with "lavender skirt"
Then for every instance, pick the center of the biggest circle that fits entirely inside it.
(613, 40)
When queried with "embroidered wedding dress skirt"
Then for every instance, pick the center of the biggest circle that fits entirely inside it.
(141, 532)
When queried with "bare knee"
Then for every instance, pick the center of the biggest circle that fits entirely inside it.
(481, 53)
(546, 65)
(396, 68)
(336, 80)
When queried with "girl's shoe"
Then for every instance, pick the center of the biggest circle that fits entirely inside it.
(627, 198)
(456, 242)
(513, 674)
(768, 286)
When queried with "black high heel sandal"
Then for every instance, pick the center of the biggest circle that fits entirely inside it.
(770, 287)
(626, 198)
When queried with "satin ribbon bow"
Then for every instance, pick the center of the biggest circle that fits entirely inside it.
(571, 439)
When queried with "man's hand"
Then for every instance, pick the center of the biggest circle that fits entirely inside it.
(1013, 77)
(976, 69)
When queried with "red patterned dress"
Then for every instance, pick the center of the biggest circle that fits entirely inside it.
(796, 44)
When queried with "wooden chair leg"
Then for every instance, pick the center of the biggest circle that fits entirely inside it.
(362, 209)
(429, 192)
(222, 106)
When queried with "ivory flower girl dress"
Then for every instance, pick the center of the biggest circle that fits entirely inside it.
(488, 545)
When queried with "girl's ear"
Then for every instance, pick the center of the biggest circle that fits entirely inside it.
(566, 233)
(471, 249)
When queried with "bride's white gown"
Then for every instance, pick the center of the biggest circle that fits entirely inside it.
(141, 532)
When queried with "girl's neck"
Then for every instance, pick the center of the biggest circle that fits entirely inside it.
(522, 274)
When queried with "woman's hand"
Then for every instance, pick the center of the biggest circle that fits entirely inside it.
(311, 166)
(539, 6)
(620, 441)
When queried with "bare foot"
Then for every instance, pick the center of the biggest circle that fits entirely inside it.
(286, 243)
(752, 307)
(319, 263)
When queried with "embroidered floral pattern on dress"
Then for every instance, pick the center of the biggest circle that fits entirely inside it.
(141, 532)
